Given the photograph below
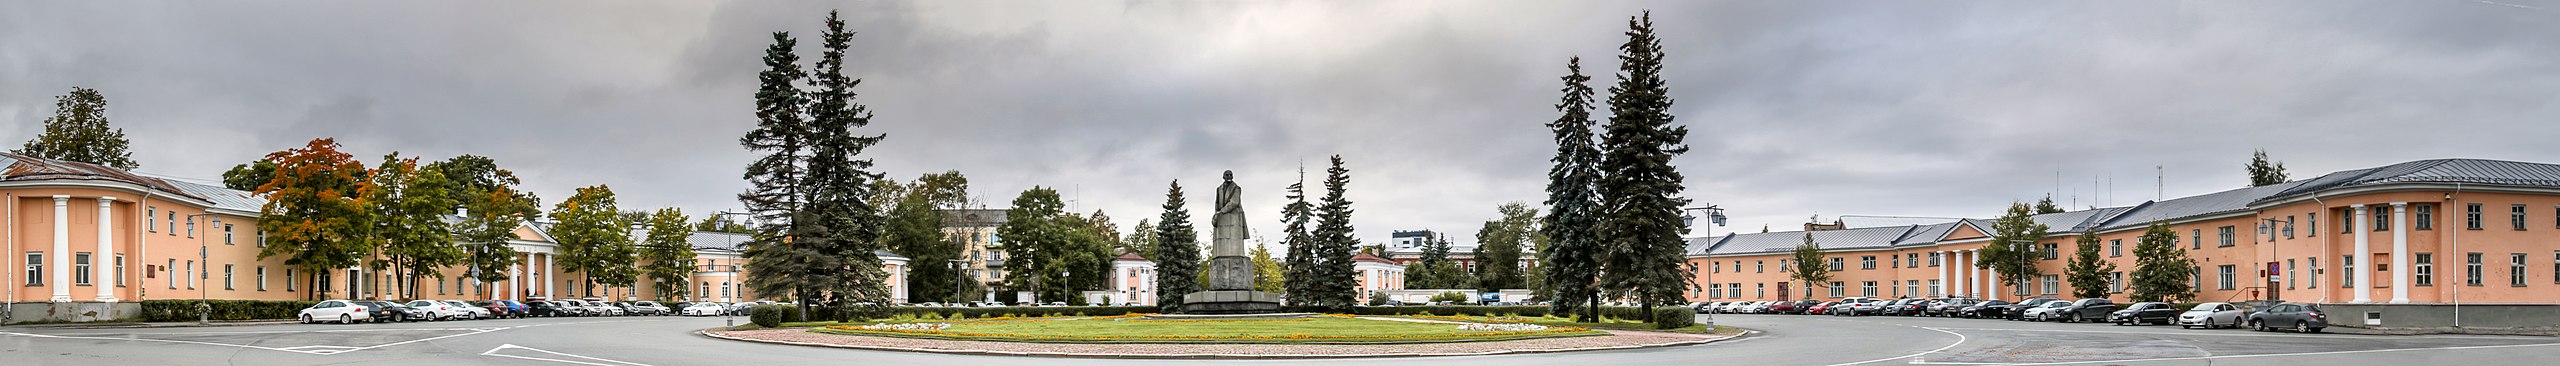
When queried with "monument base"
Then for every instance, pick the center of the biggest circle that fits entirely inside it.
(1230, 302)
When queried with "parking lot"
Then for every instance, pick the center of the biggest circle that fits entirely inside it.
(1940, 340)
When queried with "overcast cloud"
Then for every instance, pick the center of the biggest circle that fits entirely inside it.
(1795, 108)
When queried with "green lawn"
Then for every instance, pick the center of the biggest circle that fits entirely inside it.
(1321, 329)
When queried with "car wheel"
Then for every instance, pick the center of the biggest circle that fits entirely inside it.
(346, 319)
(306, 318)
(2301, 326)
(2257, 325)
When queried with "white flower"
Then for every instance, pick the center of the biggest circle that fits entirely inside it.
(1502, 327)
(909, 326)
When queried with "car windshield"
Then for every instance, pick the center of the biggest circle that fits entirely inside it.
(2056, 304)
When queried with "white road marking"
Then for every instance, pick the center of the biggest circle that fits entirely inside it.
(1960, 338)
(2295, 354)
(502, 347)
(313, 350)
(2230, 334)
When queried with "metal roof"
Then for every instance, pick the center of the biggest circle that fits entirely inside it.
(2470, 171)
(28, 168)
(973, 217)
(2208, 204)
(1747, 243)
(222, 197)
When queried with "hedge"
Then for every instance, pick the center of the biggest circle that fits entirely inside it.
(1674, 318)
(768, 315)
(185, 310)
(1661, 314)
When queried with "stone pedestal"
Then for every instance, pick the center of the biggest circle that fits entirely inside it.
(1230, 302)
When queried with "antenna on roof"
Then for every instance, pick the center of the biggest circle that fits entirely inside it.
(2159, 179)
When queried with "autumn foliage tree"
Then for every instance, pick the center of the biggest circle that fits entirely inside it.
(315, 215)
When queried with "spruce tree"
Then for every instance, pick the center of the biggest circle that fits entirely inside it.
(78, 131)
(842, 224)
(2162, 271)
(1641, 192)
(2088, 272)
(1301, 270)
(779, 265)
(1177, 251)
(1334, 285)
(1571, 260)
(2045, 206)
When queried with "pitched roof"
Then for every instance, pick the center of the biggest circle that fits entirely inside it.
(28, 168)
(2471, 171)
(1130, 256)
(1365, 257)
(2208, 204)
(222, 197)
(1878, 237)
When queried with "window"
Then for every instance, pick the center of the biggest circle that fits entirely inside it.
(2471, 216)
(2426, 217)
(2424, 270)
(1934, 287)
(191, 228)
(2555, 266)
(2198, 243)
(2472, 269)
(2052, 284)
(119, 270)
(2515, 270)
(1933, 259)
(2315, 272)
(1867, 262)
(1913, 258)
(173, 222)
(2314, 219)
(1733, 290)
(2289, 279)
(172, 267)
(151, 218)
(35, 268)
(2517, 217)
(2115, 282)
(2288, 226)
(2222, 276)
(1911, 287)
(1782, 266)
(1867, 288)
(2347, 222)
(1837, 289)
(1760, 290)
(191, 274)
(80, 269)
(1715, 290)
(2348, 277)
(226, 234)
(226, 277)
(2381, 219)
(262, 278)
(1836, 264)
(2225, 235)
(1759, 266)
(2050, 249)
(2115, 247)
(1717, 267)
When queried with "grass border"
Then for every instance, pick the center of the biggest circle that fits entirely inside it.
(832, 328)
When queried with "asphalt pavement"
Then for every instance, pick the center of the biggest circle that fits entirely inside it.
(1781, 340)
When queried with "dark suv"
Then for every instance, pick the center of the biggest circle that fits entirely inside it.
(1984, 309)
(2085, 310)
(2145, 313)
(386, 311)
(2299, 317)
(547, 308)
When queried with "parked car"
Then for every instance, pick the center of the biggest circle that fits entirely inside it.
(469, 310)
(658, 309)
(1984, 309)
(440, 310)
(1855, 306)
(705, 309)
(1781, 307)
(382, 311)
(518, 307)
(1895, 307)
(1915, 307)
(2145, 313)
(549, 309)
(2300, 317)
(1820, 309)
(345, 312)
(2018, 311)
(2212, 315)
(2086, 310)
(1700, 307)
(576, 307)
(498, 309)
(1948, 307)
(2045, 311)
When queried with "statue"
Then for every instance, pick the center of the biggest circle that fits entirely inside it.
(1230, 272)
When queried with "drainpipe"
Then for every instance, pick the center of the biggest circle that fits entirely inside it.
(2324, 244)
(2457, 248)
(9, 310)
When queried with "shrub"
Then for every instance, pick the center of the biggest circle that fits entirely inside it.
(769, 315)
(1530, 311)
(1378, 298)
(1452, 297)
(185, 310)
(1673, 318)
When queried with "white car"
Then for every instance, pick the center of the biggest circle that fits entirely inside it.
(1732, 307)
(2211, 315)
(475, 312)
(440, 310)
(2046, 311)
(661, 309)
(343, 311)
(705, 309)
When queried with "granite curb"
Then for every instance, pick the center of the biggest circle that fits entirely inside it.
(1213, 356)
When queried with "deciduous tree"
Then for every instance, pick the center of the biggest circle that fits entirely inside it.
(315, 213)
(2012, 251)
(2264, 172)
(78, 131)
(2162, 271)
(666, 256)
(1811, 266)
(410, 233)
(1499, 244)
(593, 240)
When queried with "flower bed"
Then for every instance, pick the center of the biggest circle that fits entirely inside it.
(1323, 329)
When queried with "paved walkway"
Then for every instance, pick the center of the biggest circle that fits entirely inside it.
(1616, 339)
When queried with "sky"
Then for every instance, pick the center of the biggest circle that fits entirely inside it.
(1795, 108)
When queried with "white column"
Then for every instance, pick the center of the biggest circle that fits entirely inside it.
(1991, 278)
(2363, 254)
(2399, 252)
(515, 281)
(102, 265)
(548, 276)
(61, 249)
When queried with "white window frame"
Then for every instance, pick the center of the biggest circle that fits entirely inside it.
(81, 265)
(262, 278)
(2423, 270)
(35, 268)
(2225, 277)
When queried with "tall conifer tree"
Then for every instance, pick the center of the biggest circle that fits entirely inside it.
(1177, 251)
(780, 266)
(1571, 259)
(842, 223)
(1300, 271)
(1641, 191)
(2088, 272)
(1333, 286)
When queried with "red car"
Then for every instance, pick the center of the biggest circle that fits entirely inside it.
(1819, 309)
(1781, 307)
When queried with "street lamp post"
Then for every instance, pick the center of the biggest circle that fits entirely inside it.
(204, 297)
(730, 293)
(2026, 258)
(1715, 217)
